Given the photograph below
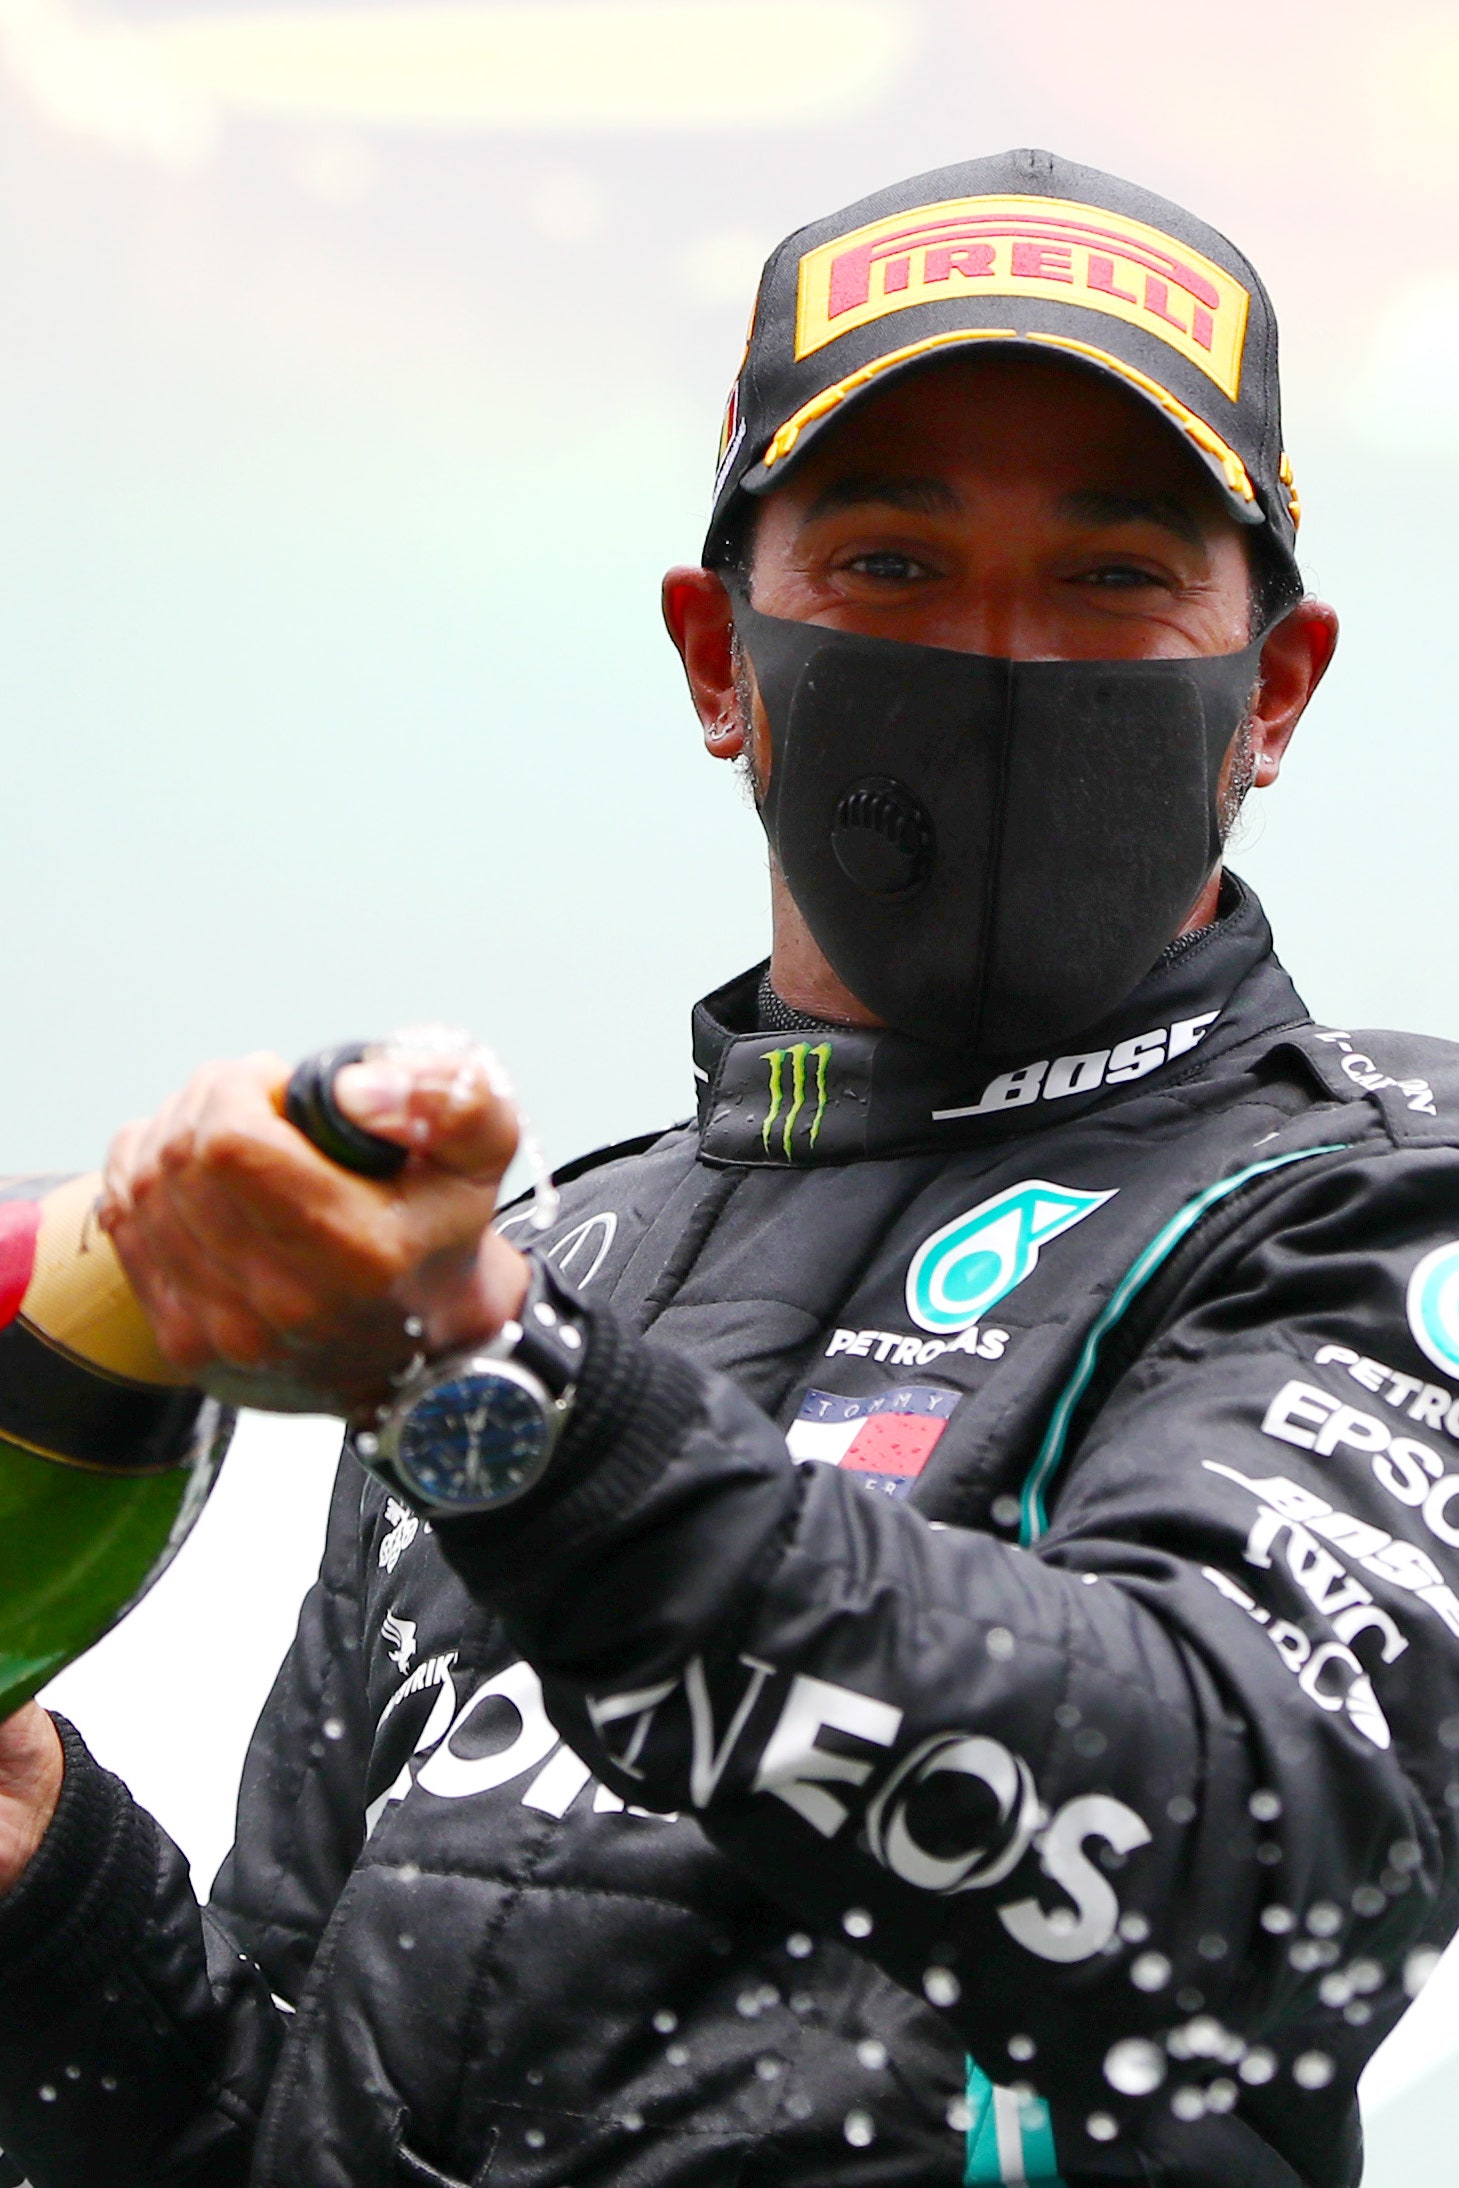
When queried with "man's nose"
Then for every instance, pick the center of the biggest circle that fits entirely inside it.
(1007, 617)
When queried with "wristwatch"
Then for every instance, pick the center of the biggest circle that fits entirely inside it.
(477, 1429)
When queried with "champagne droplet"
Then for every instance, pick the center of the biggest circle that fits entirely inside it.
(1418, 1968)
(1134, 2066)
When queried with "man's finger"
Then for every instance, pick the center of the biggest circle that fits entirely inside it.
(452, 1111)
(286, 1290)
(116, 1178)
(195, 1309)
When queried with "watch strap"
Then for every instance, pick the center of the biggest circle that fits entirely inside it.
(553, 1326)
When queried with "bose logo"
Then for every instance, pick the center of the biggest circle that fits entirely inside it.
(1054, 1078)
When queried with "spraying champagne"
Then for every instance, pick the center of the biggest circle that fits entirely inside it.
(106, 1455)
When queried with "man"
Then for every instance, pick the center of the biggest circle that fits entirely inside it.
(1048, 1776)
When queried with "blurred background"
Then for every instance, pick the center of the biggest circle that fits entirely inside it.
(361, 371)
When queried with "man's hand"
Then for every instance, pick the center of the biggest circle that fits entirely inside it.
(31, 1770)
(249, 1250)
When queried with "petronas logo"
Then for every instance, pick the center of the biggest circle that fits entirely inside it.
(792, 1081)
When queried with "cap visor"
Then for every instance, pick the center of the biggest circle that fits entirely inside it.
(788, 445)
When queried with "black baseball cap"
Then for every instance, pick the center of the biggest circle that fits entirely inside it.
(1023, 247)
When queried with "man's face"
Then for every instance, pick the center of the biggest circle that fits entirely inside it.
(1006, 503)
(1009, 504)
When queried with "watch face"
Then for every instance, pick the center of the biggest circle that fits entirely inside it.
(477, 1439)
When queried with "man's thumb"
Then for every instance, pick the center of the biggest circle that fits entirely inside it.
(453, 1111)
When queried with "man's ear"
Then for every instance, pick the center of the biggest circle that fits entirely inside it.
(1293, 663)
(700, 619)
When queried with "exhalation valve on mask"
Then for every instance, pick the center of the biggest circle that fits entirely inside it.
(992, 854)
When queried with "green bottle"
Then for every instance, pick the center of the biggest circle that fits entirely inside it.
(106, 1458)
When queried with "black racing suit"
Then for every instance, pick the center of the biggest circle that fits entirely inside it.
(974, 1697)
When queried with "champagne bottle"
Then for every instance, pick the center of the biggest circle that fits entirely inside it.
(106, 1457)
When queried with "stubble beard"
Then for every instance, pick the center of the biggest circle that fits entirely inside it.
(745, 766)
(1241, 775)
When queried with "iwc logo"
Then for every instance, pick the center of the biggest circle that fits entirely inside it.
(964, 1269)
(1433, 1307)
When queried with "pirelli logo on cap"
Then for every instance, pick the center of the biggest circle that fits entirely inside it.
(1027, 246)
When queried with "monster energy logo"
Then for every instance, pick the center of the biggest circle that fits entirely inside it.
(798, 1059)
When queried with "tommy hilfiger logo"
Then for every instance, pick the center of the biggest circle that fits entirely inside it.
(886, 1439)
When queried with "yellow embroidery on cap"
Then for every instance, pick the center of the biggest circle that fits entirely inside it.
(730, 422)
(829, 398)
(1294, 499)
(1237, 477)
(1053, 248)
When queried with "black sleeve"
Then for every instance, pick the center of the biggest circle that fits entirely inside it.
(1166, 1797)
(139, 2031)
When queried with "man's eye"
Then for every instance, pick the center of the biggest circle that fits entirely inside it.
(889, 565)
(1119, 577)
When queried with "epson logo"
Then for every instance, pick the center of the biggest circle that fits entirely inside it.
(1054, 1078)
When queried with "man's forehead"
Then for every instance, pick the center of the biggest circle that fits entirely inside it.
(928, 495)
(983, 397)
(1102, 455)
(931, 494)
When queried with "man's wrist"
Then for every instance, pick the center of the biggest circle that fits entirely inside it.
(82, 1899)
(32, 1770)
(474, 1429)
(634, 1405)
(473, 1312)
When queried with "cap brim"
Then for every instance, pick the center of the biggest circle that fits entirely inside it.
(788, 445)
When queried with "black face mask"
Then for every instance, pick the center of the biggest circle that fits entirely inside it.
(992, 854)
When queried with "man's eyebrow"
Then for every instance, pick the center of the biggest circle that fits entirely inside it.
(1092, 505)
(922, 497)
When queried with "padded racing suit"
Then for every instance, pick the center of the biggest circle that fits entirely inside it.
(975, 1695)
